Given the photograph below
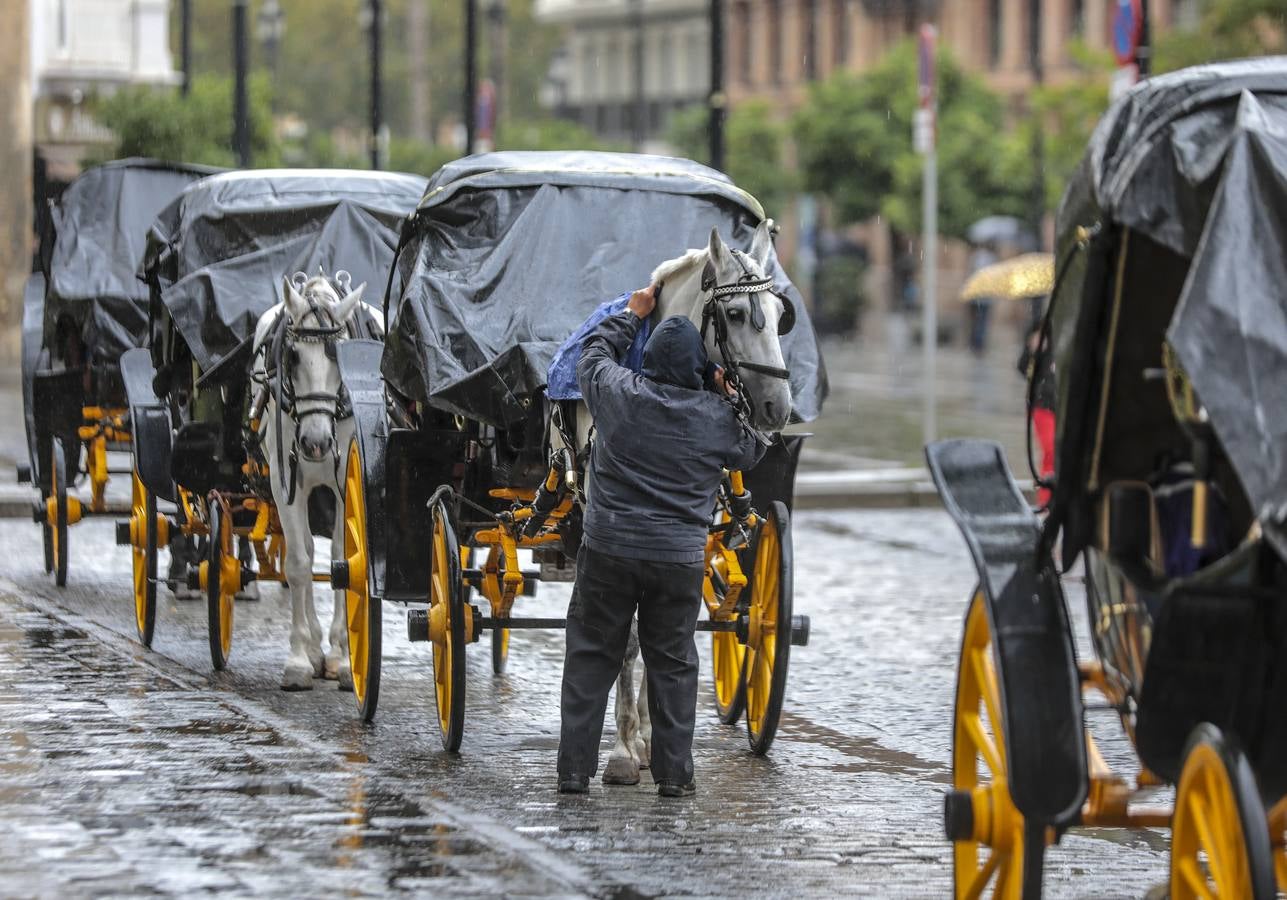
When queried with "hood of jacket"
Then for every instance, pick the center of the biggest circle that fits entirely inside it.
(675, 354)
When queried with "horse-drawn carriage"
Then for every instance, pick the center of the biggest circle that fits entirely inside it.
(459, 458)
(225, 253)
(84, 309)
(1168, 329)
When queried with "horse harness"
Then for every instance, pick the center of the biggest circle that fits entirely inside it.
(336, 407)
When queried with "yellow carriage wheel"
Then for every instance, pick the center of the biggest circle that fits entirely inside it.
(143, 542)
(363, 612)
(1220, 846)
(988, 839)
(223, 580)
(58, 483)
(1278, 837)
(768, 644)
(447, 631)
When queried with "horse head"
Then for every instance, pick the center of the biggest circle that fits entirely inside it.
(316, 318)
(729, 295)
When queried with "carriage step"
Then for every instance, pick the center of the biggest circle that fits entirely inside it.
(417, 625)
(123, 533)
(24, 473)
(474, 578)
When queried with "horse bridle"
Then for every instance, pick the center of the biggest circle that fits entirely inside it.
(715, 314)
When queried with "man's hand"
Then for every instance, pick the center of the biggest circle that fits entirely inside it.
(642, 301)
(723, 385)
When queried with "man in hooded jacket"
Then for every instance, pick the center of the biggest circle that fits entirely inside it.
(662, 442)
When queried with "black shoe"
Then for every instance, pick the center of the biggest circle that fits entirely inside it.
(574, 784)
(670, 789)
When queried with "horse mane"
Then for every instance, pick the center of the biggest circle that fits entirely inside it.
(679, 264)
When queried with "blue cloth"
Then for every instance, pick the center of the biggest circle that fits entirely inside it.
(561, 381)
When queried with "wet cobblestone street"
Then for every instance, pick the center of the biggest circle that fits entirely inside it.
(132, 772)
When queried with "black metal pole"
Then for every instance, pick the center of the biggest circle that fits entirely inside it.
(639, 131)
(471, 73)
(1144, 53)
(185, 44)
(1038, 138)
(240, 104)
(718, 102)
(377, 87)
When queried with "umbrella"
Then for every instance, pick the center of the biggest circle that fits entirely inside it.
(1030, 275)
(999, 230)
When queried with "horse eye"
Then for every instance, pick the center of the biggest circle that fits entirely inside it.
(736, 315)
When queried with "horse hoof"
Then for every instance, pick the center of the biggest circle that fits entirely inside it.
(343, 687)
(621, 771)
(297, 678)
(293, 686)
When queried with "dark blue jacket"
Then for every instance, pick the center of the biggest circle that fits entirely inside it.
(661, 442)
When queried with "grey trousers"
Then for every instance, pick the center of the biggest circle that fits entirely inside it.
(609, 591)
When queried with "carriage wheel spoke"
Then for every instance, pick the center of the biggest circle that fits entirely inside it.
(1195, 878)
(983, 743)
(983, 876)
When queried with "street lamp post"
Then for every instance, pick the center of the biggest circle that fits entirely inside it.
(717, 101)
(185, 44)
(270, 26)
(1144, 53)
(471, 73)
(497, 51)
(375, 24)
(240, 103)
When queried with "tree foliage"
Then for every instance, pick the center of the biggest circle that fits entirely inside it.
(754, 143)
(854, 136)
(1228, 29)
(163, 124)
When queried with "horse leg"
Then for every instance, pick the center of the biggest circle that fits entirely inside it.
(305, 661)
(337, 657)
(247, 559)
(622, 767)
(643, 746)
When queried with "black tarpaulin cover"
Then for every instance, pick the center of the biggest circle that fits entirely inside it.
(219, 252)
(101, 225)
(1197, 161)
(510, 252)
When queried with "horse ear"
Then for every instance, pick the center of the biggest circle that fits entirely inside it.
(344, 309)
(295, 305)
(719, 252)
(762, 244)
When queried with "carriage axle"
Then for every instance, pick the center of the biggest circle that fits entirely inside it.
(418, 625)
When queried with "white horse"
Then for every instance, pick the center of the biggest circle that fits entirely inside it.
(690, 285)
(299, 353)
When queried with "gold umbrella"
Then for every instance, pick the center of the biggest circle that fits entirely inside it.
(1029, 275)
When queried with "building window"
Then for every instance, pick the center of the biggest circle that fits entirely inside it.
(775, 41)
(742, 16)
(839, 33)
(1078, 16)
(62, 24)
(809, 39)
(995, 30)
(698, 65)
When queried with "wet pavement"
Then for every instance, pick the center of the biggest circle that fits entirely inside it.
(132, 772)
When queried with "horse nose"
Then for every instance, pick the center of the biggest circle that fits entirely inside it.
(768, 410)
(315, 448)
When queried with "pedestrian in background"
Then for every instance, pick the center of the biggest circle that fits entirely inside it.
(981, 257)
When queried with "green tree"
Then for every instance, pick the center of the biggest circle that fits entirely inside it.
(854, 137)
(1228, 29)
(754, 146)
(198, 128)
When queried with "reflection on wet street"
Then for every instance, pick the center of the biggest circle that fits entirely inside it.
(135, 772)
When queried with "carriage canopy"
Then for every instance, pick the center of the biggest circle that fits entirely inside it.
(509, 252)
(217, 255)
(1175, 228)
(100, 230)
